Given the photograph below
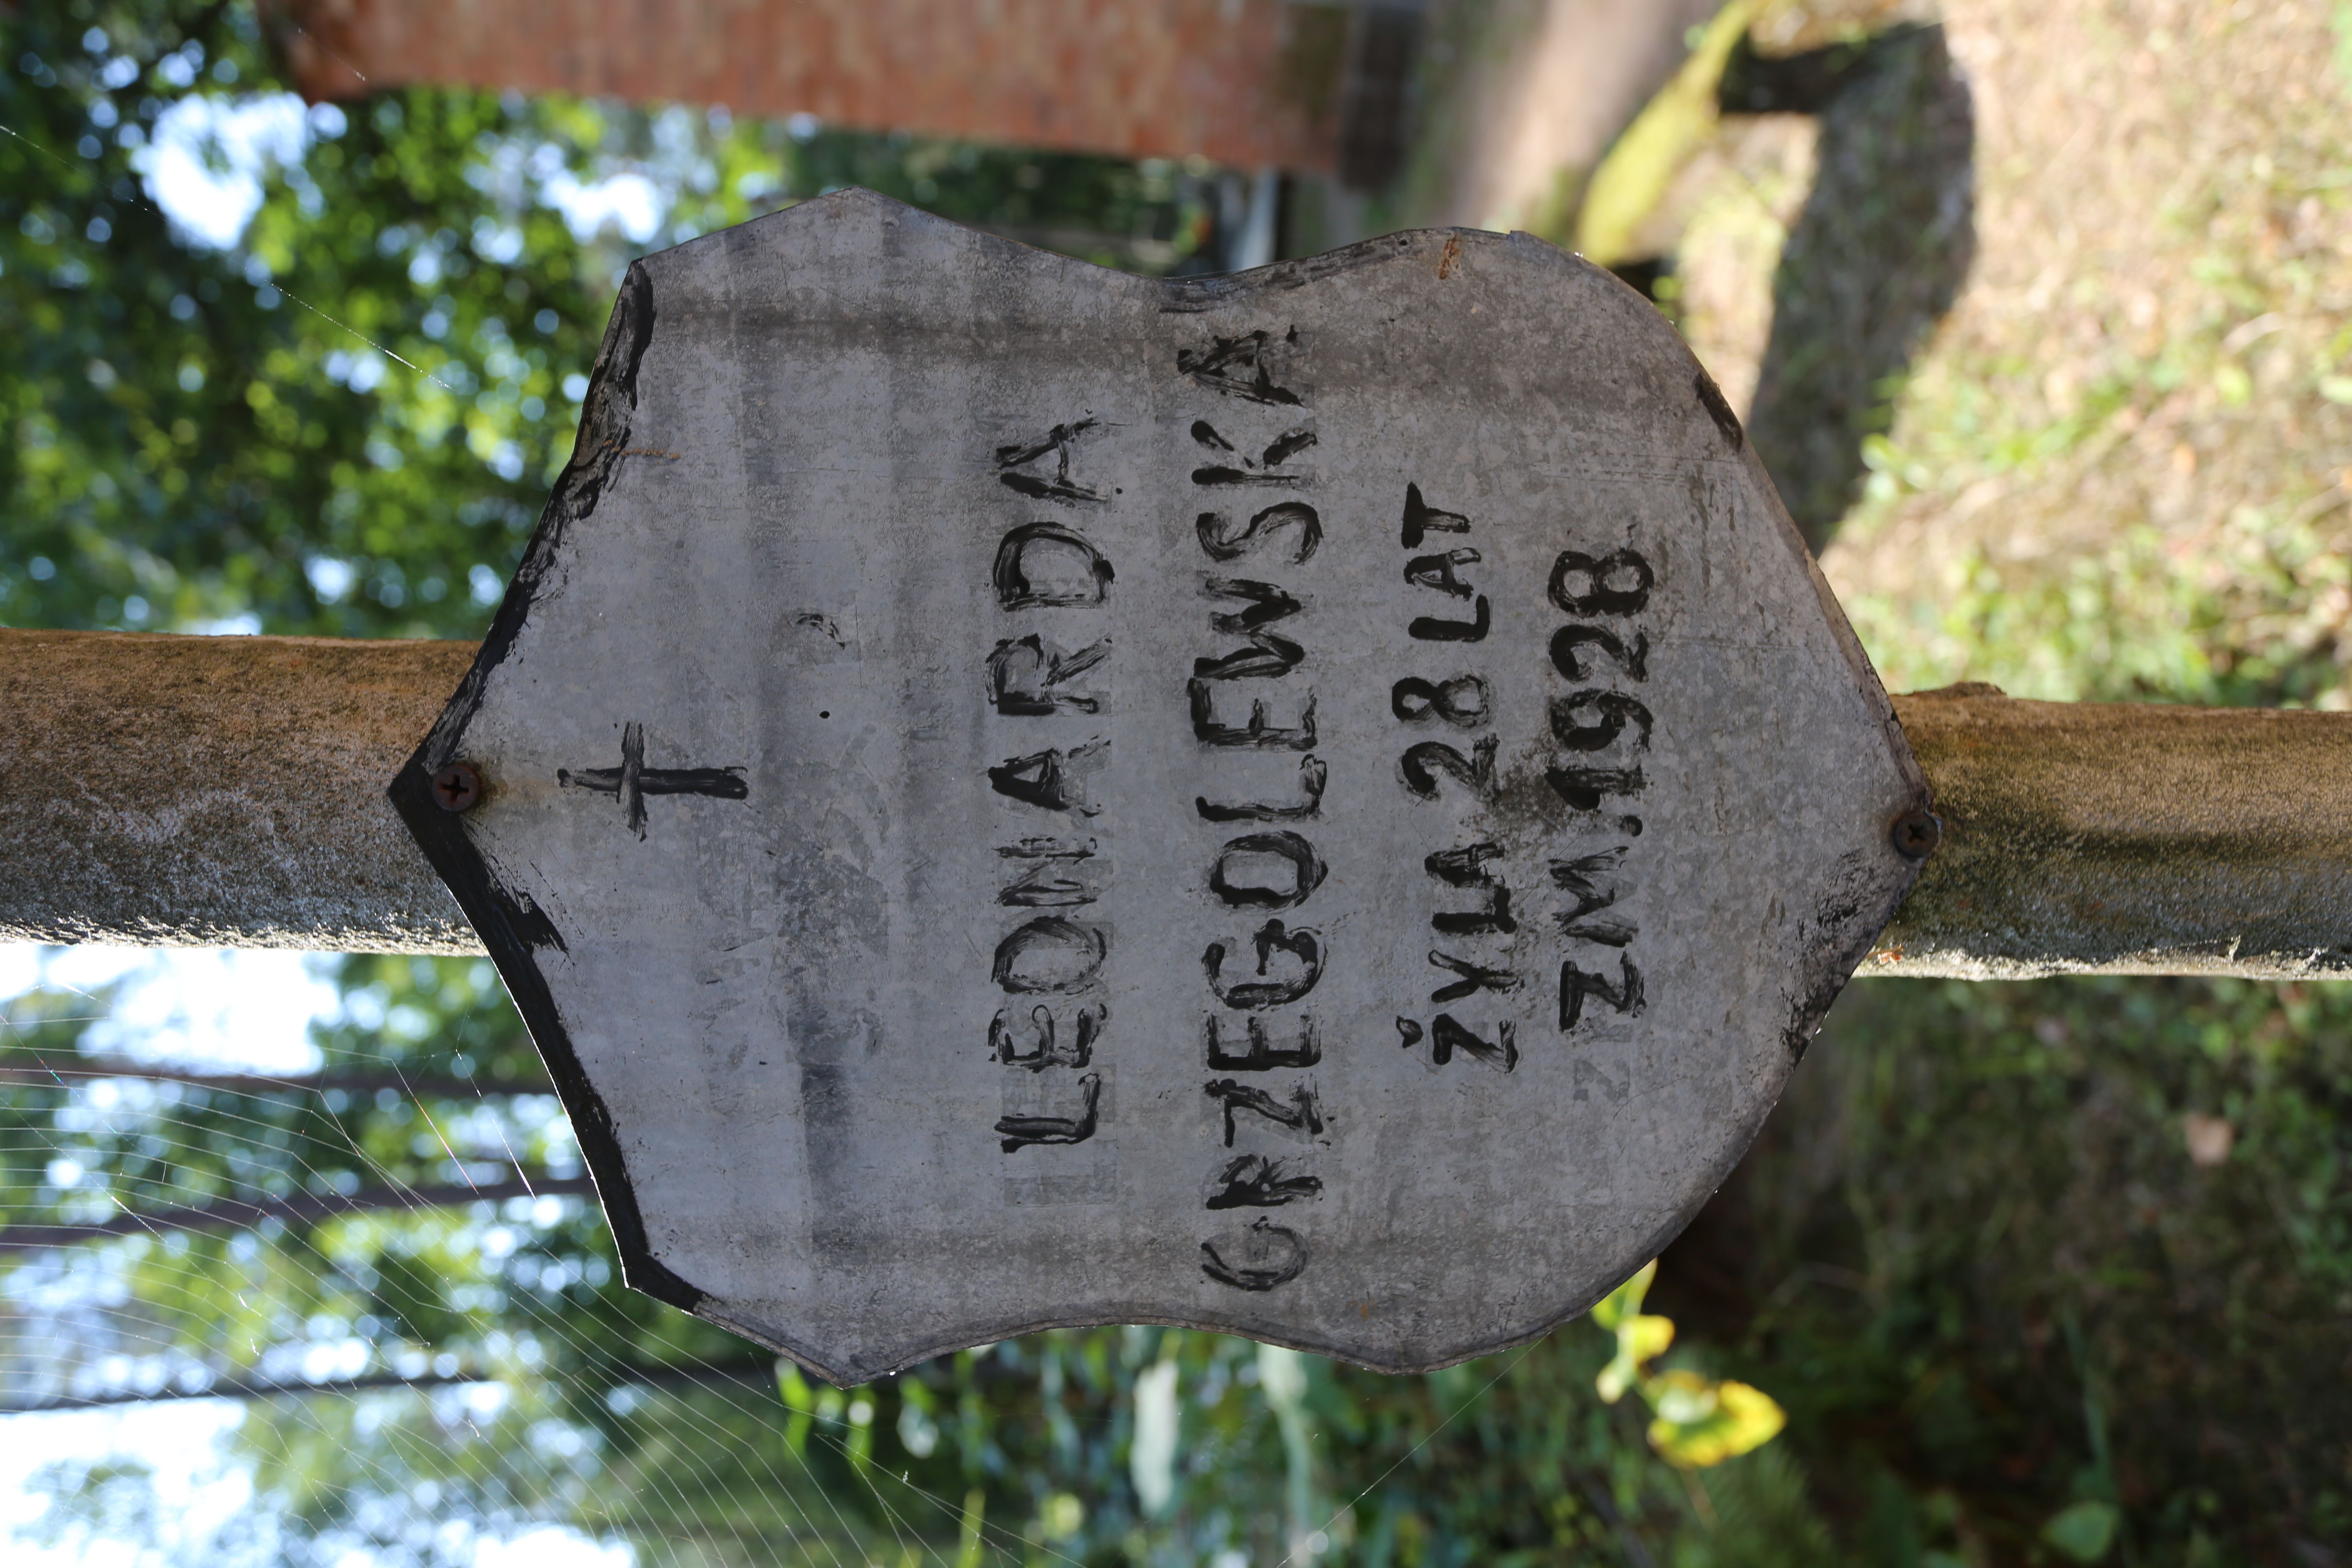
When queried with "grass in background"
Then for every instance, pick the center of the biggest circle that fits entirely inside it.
(2122, 466)
(2058, 1272)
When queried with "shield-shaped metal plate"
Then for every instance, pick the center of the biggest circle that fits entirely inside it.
(1322, 804)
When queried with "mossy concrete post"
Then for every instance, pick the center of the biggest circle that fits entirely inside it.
(166, 791)
(229, 791)
(2126, 838)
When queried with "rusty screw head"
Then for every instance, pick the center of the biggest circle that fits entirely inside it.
(1917, 834)
(458, 787)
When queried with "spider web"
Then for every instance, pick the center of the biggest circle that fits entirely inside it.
(565, 1402)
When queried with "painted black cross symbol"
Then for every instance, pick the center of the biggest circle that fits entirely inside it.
(633, 781)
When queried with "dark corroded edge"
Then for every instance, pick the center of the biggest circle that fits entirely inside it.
(514, 929)
(510, 925)
(1846, 923)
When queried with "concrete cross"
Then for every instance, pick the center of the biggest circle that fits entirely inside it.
(1322, 804)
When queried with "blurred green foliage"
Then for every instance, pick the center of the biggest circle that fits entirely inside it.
(345, 424)
(2006, 1250)
(2017, 1259)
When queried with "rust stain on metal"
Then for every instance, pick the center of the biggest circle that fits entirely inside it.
(458, 787)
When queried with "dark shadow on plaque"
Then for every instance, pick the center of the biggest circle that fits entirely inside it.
(1872, 262)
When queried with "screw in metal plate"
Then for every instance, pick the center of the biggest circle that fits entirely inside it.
(458, 787)
(1917, 834)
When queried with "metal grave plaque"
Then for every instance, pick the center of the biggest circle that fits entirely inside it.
(1322, 804)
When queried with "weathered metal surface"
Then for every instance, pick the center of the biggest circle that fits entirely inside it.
(1322, 804)
(218, 791)
(2128, 839)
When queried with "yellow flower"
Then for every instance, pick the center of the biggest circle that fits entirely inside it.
(1702, 1421)
(1639, 1337)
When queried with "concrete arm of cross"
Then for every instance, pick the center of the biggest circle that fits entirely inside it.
(2126, 838)
(229, 791)
(187, 790)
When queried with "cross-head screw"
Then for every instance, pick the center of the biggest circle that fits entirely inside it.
(1917, 834)
(458, 787)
